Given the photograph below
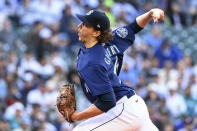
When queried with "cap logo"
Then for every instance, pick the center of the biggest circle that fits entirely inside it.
(98, 26)
(90, 12)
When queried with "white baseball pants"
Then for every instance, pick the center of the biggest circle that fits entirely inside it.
(128, 115)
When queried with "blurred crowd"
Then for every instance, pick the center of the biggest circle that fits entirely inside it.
(38, 49)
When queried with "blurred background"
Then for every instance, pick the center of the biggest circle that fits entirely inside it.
(38, 48)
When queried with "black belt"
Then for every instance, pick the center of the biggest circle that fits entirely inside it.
(130, 94)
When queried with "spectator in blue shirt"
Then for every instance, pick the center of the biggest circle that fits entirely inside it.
(167, 51)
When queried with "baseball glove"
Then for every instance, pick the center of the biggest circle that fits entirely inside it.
(66, 103)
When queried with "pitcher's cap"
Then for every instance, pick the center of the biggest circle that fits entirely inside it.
(97, 19)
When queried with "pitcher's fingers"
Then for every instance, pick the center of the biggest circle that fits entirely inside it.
(155, 20)
(162, 16)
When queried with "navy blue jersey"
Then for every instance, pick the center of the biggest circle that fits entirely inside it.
(96, 72)
(123, 38)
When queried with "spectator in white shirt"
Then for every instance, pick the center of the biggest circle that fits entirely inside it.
(51, 94)
(160, 88)
(10, 111)
(12, 62)
(45, 69)
(28, 63)
(193, 85)
(38, 96)
(168, 73)
(174, 101)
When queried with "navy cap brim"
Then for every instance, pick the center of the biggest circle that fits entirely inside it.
(83, 18)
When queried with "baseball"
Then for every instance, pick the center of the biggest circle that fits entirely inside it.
(156, 13)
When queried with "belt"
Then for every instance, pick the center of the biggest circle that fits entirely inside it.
(130, 94)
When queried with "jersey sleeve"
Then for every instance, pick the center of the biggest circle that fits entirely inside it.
(105, 101)
(125, 36)
(135, 27)
(97, 80)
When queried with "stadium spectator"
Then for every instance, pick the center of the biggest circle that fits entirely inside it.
(7, 36)
(175, 102)
(32, 38)
(167, 51)
(155, 38)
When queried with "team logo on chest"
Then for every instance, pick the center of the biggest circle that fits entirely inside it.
(122, 32)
